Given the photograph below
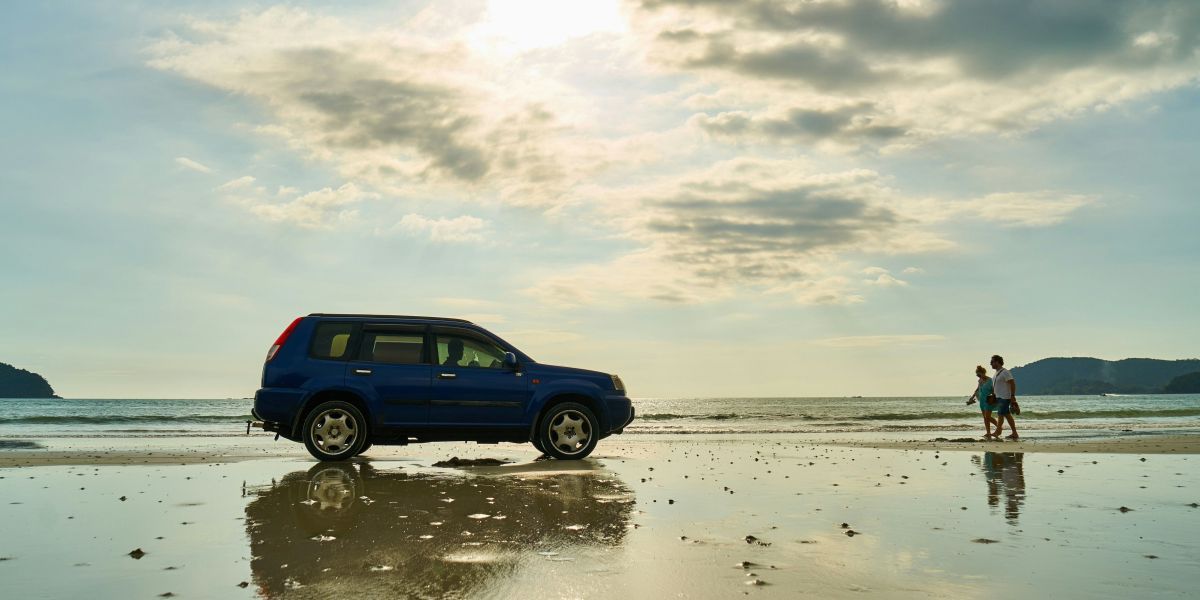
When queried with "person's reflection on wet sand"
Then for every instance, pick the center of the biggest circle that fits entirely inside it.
(347, 529)
(1005, 474)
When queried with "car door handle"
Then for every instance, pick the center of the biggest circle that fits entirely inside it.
(447, 375)
(362, 371)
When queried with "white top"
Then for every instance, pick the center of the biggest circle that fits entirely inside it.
(1000, 384)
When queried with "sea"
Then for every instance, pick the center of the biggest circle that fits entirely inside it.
(23, 418)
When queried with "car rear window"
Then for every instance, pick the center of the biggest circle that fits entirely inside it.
(331, 339)
(394, 348)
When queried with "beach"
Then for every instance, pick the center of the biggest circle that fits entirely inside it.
(647, 516)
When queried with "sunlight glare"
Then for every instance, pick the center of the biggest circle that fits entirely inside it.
(515, 26)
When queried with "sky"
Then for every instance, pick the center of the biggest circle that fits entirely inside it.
(711, 199)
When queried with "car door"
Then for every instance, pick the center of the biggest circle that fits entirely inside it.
(393, 362)
(471, 386)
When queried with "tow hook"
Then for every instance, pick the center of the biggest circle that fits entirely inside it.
(263, 426)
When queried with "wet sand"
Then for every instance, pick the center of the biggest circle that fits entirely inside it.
(645, 517)
(1139, 444)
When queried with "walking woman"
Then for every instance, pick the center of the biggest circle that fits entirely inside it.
(983, 394)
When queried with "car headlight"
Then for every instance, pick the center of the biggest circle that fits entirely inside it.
(617, 383)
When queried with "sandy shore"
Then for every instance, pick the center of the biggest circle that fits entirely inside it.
(646, 517)
(168, 451)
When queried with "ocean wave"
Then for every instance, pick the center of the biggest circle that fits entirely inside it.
(933, 415)
(1052, 414)
(698, 417)
(119, 419)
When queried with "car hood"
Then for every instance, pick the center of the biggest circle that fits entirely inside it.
(545, 369)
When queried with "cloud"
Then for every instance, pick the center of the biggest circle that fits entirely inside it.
(242, 182)
(876, 341)
(188, 163)
(886, 280)
(1037, 209)
(777, 228)
(1041, 208)
(773, 226)
(459, 229)
(323, 208)
(852, 123)
(881, 277)
(844, 71)
(387, 108)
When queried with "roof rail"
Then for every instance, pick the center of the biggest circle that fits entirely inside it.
(413, 317)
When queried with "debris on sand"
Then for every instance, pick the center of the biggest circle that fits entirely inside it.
(470, 462)
(136, 554)
(244, 584)
(955, 440)
(753, 540)
(1151, 556)
(851, 533)
(1125, 509)
(756, 582)
(985, 541)
(745, 564)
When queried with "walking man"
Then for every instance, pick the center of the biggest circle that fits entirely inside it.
(1005, 389)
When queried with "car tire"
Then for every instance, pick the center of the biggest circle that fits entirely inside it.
(366, 446)
(537, 444)
(568, 431)
(334, 430)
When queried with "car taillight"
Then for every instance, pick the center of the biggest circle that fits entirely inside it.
(281, 340)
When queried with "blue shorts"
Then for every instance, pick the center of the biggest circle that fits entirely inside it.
(1003, 405)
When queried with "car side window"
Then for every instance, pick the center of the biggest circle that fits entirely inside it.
(393, 348)
(330, 340)
(466, 350)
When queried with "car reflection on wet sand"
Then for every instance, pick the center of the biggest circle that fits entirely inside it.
(350, 530)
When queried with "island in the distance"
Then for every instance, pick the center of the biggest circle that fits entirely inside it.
(1067, 376)
(19, 383)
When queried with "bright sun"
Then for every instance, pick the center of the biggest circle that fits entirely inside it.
(514, 26)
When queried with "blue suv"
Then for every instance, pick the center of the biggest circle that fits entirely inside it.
(340, 383)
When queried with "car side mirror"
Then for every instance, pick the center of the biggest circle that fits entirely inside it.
(510, 361)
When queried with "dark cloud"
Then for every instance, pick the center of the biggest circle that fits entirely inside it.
(987, 39)
(360, 109)
(848, 123)
(739, 232)
(391, 113)
(818, 67)
(871, 72)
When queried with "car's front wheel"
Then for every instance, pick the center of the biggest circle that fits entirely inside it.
(334, 430)
(568, 431)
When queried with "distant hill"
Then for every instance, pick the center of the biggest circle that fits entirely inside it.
(1184, 384)
(19, 383)
(1095, 376)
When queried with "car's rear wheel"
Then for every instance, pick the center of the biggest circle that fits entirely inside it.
(537, 443)
(568, 431)
(334, 430)
(366, 446)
